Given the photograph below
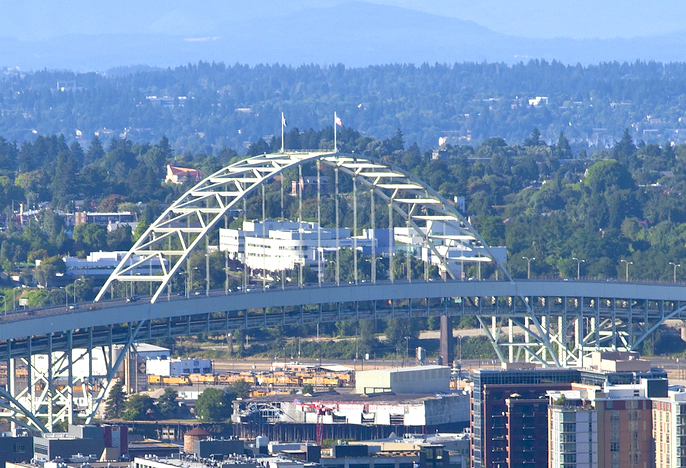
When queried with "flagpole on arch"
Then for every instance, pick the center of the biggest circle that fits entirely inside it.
(283, 125)
(335, 143)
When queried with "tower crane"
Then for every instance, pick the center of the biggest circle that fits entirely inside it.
(321, 409)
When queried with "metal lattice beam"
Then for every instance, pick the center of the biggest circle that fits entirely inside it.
(170, 240)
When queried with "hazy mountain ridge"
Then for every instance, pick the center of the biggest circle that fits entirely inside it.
(355, 33)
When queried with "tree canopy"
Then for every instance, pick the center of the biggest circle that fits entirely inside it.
(214, 404)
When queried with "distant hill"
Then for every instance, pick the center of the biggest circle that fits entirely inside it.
(355, 34)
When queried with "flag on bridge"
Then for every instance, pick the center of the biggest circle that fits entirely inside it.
(283, 125)
(336, 121)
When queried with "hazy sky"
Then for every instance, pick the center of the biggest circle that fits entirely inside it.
(41, 19)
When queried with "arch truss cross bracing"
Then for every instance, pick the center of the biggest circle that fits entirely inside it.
(166, 245)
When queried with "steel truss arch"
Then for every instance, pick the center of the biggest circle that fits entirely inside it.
(168, 242)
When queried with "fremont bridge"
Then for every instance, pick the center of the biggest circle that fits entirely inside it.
(549, 322)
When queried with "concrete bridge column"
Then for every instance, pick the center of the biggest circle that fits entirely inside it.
(446, 348)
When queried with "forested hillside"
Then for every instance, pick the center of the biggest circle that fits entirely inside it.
(205, 107)
(625, 203)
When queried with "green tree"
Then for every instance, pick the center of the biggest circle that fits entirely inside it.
(82, 289)
(166, 403)
(114, 405)
(120, 238)
(95, 151)
(308, 389)
(240, 388)
(563, 150)
(606, 175)
(400, 328)
(49, 267)
(139, 407)
(625, 147)
(91, 237)
(367, 339)
(534, 139)
(214, 404)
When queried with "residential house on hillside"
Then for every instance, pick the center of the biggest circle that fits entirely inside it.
(179, 175)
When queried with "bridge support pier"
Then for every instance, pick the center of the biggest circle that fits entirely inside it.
(447, 342)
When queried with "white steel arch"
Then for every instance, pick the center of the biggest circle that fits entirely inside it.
(168, 242)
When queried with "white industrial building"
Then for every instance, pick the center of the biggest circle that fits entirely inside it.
(177, 367)
(396, 410)
(103, 264)
(81, 368)
(453, 243)
(419, 379)
(283, 245)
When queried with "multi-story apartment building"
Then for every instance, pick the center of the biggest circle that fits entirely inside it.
(573, 431)
(625, 426)
(495, 398)
(500, 440)
(669, 429)
(608, 427)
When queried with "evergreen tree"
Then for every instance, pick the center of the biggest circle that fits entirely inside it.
(166, 403)
(95, 151)
(534, 139)
(139, 407)
(624, 148)
(563, 150)
(114, 405)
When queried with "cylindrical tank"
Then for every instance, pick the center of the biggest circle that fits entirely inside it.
(191, 436)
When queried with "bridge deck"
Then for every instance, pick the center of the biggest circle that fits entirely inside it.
(52, 320)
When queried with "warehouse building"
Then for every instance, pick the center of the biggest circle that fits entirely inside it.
(419, 379)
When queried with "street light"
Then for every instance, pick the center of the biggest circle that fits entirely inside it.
(374, 267)
(528, 266)
(626, 264)
(191, 278)
(185, 282)
(578, 266)
(459, 346)
(407, 348)
(675, 265)
(74, 287)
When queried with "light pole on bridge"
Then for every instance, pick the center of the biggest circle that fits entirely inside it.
(528, 266)
(675, 265)
(578, 266)
(626, 274)
(191, 279)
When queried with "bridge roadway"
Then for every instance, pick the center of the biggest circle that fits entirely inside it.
(561, 321)
(112, 319)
